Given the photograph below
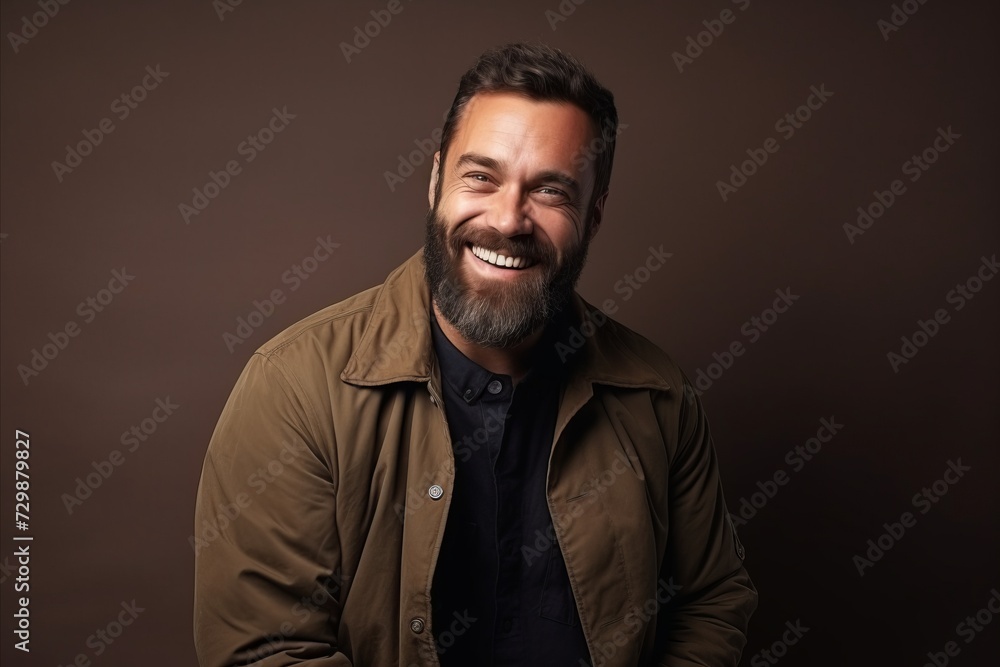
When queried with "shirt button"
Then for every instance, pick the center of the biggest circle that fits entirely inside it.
(468, 394)
(495, 387)
(506, 625)
(435, 491)
(417, 625)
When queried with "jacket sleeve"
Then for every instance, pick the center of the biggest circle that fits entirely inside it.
(705, 622)
(267, 584)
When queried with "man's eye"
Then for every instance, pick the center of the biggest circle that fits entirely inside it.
(482, 178)
(552, 192)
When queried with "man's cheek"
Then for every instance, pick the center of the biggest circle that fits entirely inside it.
(463, 204)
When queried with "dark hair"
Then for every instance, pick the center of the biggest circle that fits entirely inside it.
(542, 73)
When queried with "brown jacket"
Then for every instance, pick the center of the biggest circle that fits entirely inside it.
(319, 518)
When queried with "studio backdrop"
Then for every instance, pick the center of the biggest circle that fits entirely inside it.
(803, 214)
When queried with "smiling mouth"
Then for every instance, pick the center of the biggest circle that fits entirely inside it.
(498, 260)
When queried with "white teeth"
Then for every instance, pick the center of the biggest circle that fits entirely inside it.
(498, 260)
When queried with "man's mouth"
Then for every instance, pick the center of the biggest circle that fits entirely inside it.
(502, 261)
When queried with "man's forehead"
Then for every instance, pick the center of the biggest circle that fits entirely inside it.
(506, 120)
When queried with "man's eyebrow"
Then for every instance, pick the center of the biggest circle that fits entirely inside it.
(549, 176)
(559, 177)
(480, 160)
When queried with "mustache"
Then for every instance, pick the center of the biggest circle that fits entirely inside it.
(509, 246)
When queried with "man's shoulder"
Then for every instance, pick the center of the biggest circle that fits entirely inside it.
(314, 334)
(609, 334)
(322, 343)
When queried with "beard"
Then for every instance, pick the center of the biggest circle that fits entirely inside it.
(493, 312)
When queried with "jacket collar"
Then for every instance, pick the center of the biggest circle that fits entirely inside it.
(396, 345)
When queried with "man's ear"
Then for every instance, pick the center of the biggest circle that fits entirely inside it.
(597, 215)
(435, 175)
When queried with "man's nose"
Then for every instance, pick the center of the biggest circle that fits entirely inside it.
(510, 215)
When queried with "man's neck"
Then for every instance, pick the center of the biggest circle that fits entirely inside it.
(515, 361)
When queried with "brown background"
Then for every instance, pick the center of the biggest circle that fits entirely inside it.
(325, 175)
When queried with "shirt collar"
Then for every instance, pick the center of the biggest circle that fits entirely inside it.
(468, 379)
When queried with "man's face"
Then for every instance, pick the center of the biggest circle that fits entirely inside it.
(515, 185)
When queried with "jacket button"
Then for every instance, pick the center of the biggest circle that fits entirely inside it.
(435, 491)
(417, 625)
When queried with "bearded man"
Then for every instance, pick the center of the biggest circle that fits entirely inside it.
(469, 464)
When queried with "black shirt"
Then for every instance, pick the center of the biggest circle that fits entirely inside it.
(501, 595)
